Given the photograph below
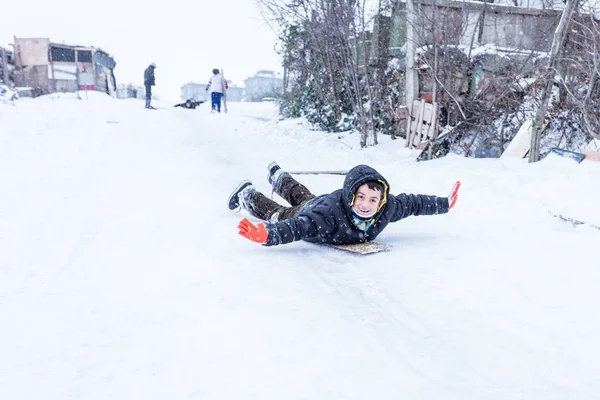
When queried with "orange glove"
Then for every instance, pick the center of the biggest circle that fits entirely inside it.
(257, 233)
(454, 194)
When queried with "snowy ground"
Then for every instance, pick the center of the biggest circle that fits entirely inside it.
(122, 275)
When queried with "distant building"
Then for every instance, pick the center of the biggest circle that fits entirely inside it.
(131, 91)
(51, 67)
(263, 84)
(235, 93)
(194, 91)
(198, 92)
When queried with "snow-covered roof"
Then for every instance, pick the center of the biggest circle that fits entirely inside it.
(487, 49)
(74, 46)
(526, 5)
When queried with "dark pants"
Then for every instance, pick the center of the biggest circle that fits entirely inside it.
(289, 189)
(215, 99)
(148, 94)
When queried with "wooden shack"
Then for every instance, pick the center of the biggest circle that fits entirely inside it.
(52, 67)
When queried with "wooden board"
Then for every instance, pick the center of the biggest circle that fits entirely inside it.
(362, 248)
(224, 91)
(422, 123)
(520, 144)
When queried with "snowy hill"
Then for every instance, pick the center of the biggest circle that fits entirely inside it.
(123, 277)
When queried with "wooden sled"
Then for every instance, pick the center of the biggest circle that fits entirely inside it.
(361, 248)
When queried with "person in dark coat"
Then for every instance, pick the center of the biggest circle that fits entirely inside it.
(357, 213)
(189, 103)
(148, 83)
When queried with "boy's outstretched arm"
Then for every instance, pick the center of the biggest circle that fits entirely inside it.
(419, 204)
(282, 232)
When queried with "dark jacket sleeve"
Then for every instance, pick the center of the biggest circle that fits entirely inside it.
(290, 230)
(309, 225)
(418, 204)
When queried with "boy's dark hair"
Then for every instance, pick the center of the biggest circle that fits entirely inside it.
(215, 71)
(375, 185)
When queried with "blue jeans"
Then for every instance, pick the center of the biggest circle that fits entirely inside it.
(215, 100)
(148, 94)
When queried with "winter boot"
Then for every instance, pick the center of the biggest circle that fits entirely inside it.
(235, 203)
(272, 169)
(286, 186)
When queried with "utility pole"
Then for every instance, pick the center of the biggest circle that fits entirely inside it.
(411, 83)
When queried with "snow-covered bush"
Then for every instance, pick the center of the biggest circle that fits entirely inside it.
(7, 94)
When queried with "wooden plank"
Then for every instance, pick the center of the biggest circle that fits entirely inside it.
(519, 145)
(426, 129)
(416, 113)
(411, 122)
(427, 118)
(433, 126)
(419, 124)
(362, 248)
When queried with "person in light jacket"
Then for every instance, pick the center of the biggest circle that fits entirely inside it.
(217, 85)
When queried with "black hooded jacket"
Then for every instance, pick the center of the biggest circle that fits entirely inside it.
(328, 218)
(149, 76)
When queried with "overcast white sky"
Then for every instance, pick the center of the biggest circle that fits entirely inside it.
(186, 39)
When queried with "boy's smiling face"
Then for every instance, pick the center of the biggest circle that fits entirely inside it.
(366, 201)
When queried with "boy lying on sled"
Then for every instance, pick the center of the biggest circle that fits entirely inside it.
(357, 213)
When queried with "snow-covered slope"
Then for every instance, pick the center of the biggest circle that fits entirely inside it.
(122, 275)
